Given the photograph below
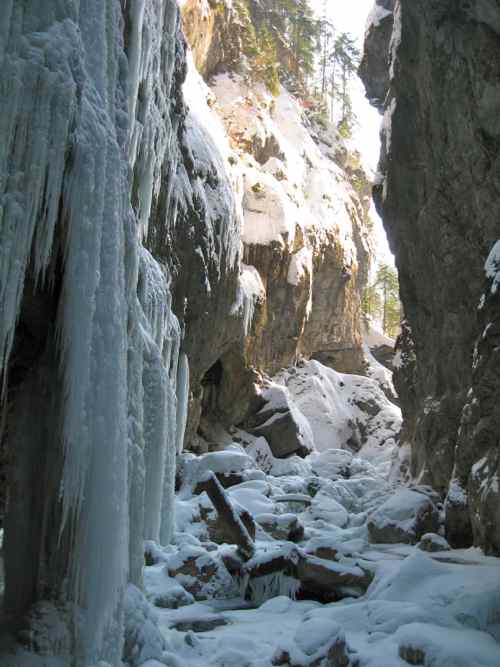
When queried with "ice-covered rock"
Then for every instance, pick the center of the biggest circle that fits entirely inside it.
(282, 425)
(405, 517)
(433, 542)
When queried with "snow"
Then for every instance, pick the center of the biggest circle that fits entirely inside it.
(299, 198)
(492, 267)
(300, 266)
(251, 291)
(374, 337)
(376, 16)
(444, 603)
(381, 374)
(400, 511)
(334, 406)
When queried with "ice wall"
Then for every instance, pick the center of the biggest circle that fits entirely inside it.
(88, 139)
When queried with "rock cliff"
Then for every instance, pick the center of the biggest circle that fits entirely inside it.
(437, 80)
(304, 200)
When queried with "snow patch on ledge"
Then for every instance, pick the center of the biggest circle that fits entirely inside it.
(492, 266)
(376, 16)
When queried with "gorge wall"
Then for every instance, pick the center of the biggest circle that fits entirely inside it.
(304, 201)
(432, 68)
(149, 244)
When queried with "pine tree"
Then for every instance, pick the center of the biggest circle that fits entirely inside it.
(387, 281)
(294, 29)
(381, 300)
(345, 58)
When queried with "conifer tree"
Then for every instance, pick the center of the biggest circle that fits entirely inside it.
(381, 300)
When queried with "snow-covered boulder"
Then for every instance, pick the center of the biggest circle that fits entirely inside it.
(317, 642)
(201, 573)
(282, 526)
(405, 517)
(433, 542)
(428, 644)
(143, 638)
(344, 411)
(331, 463)
(231, 466)
(282, 425)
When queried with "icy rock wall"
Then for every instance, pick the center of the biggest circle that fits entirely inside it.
(103, 198)
(438, 197)
(305, 206)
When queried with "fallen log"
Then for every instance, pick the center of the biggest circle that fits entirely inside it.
(233, 525)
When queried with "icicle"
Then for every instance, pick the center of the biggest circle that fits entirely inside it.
(182, 401)
(270, 586)
(161, 352)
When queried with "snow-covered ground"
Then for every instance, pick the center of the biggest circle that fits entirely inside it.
(393, 604)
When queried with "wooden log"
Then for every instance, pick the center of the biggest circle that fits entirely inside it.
(233, 525)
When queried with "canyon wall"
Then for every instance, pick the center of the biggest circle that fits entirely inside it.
(305, 225)
(437, 80)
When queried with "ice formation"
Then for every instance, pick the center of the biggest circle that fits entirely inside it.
(72, 85)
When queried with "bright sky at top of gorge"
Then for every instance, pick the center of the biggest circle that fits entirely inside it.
(352, 17)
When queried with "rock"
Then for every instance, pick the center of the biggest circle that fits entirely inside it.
(412, 655)
(447, 370)
(282, 425)
(314, 577)
(326, 508)
(202, 574)
(331, 463)
(432, 542)
(374, 68)
(218, 531)
(298, 500)
(231, 461)
(174, 597)
(281, 526)
(203, 624)
(318, 643)
(330, 581)
(405, 517)
(325, 553)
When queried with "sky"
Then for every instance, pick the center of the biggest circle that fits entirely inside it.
(351, 16)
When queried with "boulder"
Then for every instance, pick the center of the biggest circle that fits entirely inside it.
(331, 581)
(317, 642)
(405, 517)
(281, 526)
(313, 577)
(202, 574)
(432, 542)
(282, 424)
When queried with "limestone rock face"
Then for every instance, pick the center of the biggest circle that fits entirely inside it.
(303, 200)
(477, 467)
(374, 68)
(437, 193)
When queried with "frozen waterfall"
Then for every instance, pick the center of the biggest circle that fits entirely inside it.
(80, 165)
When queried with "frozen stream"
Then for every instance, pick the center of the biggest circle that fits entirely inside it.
(426, 604)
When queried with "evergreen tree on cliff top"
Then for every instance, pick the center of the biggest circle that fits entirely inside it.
(294, 30)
